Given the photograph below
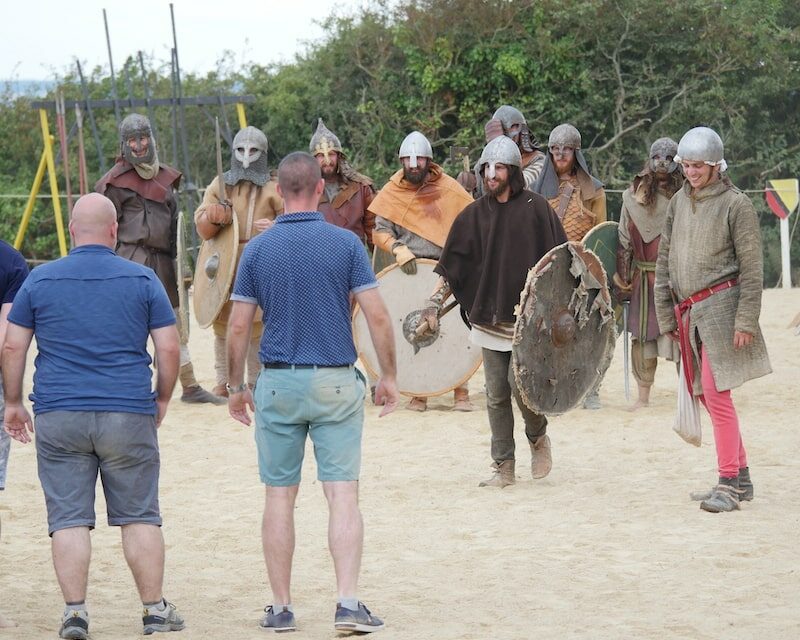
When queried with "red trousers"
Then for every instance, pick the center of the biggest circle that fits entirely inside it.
(731, 455)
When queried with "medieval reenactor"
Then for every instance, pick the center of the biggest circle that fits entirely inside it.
(485, 262)
(508, 121)
(644, 209)
(577, 197)
(251, 196)
(348, 194)
(414, 212)
(709, 277)
(143, 192)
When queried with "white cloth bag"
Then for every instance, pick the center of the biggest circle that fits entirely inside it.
(687, 418)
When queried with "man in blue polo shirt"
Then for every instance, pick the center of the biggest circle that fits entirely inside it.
(92, 313)
(13, 271)
(303, 273)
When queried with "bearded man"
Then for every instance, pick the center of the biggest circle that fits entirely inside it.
(644, 210)
(485, 262)
(414, 212)
(577, 197)
(348, 194)
(710, 261)
(143, 192)
(252, 197)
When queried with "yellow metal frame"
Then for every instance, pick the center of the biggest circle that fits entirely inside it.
(240, 113)
(47, 161)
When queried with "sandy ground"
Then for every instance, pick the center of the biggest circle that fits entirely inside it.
(607, 546)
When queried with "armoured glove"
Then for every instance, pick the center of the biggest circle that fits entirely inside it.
(406, 259)
(219, 214)
(493, 129)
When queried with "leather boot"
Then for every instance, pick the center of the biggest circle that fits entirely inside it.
(502, 476)
(725, 496)
(541, 457)
(745, 488)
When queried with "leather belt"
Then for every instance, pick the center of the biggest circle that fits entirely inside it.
(287, 365)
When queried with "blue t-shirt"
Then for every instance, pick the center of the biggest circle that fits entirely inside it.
(301, 272)
(13, 271)
(91, 313)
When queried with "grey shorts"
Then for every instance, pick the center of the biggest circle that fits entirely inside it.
(72, 446)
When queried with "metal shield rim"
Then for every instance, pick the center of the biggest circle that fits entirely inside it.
(200, 316)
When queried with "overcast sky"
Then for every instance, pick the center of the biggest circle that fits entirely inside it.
(40, 36)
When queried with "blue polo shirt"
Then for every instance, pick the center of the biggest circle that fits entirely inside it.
(91, 313)
(301, 273)
(13, 271)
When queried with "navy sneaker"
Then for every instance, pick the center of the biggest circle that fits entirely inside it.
(279, 622)
(157, 620)
(360, 620)
(75, 624)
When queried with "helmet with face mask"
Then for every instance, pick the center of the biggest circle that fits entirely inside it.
(501, 150)
(249, 158)
(415, 146)
(136, 126)
(702, 144)
(513, 121)
(662, 155)
(324, 141)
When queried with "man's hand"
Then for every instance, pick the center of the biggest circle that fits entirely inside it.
(386, 394)
(674, 335)
(622, 290)
(493, 129)
(219, 214)
(406, 259)
(429, 318)
(742, 339)
(237, 406)
(18, 423)
(263, 224)
(161, 411)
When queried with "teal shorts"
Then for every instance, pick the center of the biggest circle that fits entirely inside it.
(327, 403)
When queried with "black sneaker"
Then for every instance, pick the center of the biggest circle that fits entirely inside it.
(359, 620)
(157, 620)
(279, 622)
(75, 624)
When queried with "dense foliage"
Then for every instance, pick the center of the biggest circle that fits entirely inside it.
(624, 72)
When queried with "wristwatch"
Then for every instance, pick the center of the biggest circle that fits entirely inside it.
(239, 388)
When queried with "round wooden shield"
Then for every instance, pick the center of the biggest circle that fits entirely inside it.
(564, 335)
(434, 369)
(214, 273)
(602, 240)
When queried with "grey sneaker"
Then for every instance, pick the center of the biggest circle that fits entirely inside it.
(197, 395)
(75, 624)
(746, 492)
(360, 620)
(279, 622)
(158, 620)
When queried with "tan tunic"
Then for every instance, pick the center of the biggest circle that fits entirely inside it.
(265, 203)
(710, 236)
